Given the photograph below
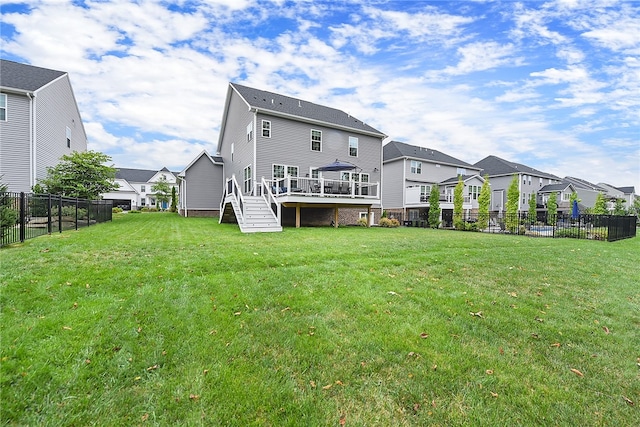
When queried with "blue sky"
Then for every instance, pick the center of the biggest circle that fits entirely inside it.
(554, 85)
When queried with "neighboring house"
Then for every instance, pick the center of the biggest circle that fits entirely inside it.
(39, 123)
(201, 186)
(587, 192)
(274, 148)
(628, 194)
(410, 172)
(501, 173)
(563, 192)
(135, 188)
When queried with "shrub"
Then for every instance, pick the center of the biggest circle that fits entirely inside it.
(362, 222)
(387, 222)
(134, 212)
(576, 233)
(471, 226)
(116, 210)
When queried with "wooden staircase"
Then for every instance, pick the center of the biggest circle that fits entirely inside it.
(257, 217)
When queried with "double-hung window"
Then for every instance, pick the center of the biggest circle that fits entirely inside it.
(416, 167)
(249, 132)
(3, 107)
(316, 140)
(353, 146)
(68, 137)
(266, 129)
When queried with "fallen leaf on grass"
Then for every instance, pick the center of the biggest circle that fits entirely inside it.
(194, 397)
(327, 387)
(627, 400)
(343, 419)
(489, 371)
(237, 313)
(555, 344)
(478, 314)
(152, 368)
(312, 384)
(66, 328)
(606, 330)
(578, 373)
(145, 417)
(493, 394)
(424, 335)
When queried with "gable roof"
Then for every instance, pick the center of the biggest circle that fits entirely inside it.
(550, 188)
(281, 105)
(214, 160)
(396, 149)
(138, 175)
(465, 178)
(495, 166)
(627, 190)
(581, 183)
(27, 78)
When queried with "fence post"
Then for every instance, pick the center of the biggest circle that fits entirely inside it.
(23, 216)
(49, 206)
(60, 214)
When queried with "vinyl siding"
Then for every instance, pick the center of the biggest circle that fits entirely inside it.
(204, 185)
(393, 185)
(235, 132)
(56, 109)
(290, 144)
(14, 144)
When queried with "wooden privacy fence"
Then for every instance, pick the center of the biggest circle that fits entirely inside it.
(27, 215)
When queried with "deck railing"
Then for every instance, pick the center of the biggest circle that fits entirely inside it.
(321, 187)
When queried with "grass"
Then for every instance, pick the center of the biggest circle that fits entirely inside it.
(155, 319)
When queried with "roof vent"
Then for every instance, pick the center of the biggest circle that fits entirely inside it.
(299, 103)
(271, 101)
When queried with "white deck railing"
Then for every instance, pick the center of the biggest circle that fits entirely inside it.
(320, 187)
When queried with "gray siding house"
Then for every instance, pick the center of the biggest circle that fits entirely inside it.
(39, 123)
(410, 172)
(501, 173)
(275, 147)
(201, 186)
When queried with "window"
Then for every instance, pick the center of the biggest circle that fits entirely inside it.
(425, 191)
(143, 202)
(524, 198)
(266, 128)
(232, 150)
(461, 171)
(249, 132)
(278, 171)
(3, 107)
(247, 179)
(68, 137)
(315, 173)
(293, 171)
(566, 196)
(143, 188)
(316, 140)
(529, 179)
(416, 167)
(353, 146)
(474, 190)
(540, 182)
(524, 179)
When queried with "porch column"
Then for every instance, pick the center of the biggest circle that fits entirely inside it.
(368, 216)
(335, 217)
(298, 215)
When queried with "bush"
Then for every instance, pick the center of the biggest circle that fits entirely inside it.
(362, 222)
(116, 210)
(471, 226)
(70, 211)
(134, 212)
(576, 233)
(389, 222)
(148, 209)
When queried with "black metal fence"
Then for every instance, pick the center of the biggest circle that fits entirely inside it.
(27, 215)
(596, 227)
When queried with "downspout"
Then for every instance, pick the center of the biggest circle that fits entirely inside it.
(183, 195)
(255, 153)
(32, 140)
(404, 189)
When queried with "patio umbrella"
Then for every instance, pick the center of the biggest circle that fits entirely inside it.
(575, 212)
(338, 166)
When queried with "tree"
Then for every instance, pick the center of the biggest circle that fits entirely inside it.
(600, 206)
(174, 200)
(533, 213)
(81, 174)
(635, 208)
(484, 199)
(458, 200)
(513, 196)
(552, 208)
(434, 207)
(162, 190)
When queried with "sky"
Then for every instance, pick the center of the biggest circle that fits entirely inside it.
(553, 85)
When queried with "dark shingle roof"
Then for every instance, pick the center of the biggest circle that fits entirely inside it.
(269, 101)
(581, 183)
(138, 175)
(493, 166)
(627, 190)
(14, 75)
(553, 187)
(396, 149)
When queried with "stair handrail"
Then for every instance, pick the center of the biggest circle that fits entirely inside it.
(270, 199)
(232, 188)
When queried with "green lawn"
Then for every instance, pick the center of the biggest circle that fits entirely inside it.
(154, 319)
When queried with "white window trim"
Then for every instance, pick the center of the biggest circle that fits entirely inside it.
(312, 141)
(417, 169)
(250, 132)
(3, 106)
(268, 129)
(353, 138)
